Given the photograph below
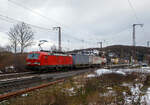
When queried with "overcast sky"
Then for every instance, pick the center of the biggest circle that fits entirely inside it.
(83, 22)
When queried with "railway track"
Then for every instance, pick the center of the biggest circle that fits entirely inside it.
(14, 75)
(6, 96)
(24, 82)
(14, 85)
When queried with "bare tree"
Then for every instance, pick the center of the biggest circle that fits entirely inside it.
(21, 34)
(13, 37)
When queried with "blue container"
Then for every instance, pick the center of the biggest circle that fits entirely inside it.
(79, 59)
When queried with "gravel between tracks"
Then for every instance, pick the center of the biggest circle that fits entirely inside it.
(16, 84)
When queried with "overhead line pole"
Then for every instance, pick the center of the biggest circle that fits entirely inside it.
(148, 43)
(101, 44)
(59, 37)
(134, 42)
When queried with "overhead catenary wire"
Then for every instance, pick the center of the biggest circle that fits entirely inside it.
(6, 20)
(45, 17)
(58, 23)
(35, 12)
(134, 11)
(41, 15)
(135, 14)
(12, 19)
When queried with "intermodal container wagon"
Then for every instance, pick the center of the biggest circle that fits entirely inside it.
(79, 59)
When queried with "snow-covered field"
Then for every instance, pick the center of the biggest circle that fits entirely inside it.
(99, 72)
(135, 89)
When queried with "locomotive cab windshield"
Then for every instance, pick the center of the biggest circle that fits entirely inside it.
(33, 56)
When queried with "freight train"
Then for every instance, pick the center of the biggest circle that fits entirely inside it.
(42, 60)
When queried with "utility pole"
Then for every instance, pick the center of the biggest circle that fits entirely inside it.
(59, 35)
(134, 42)
(101, 43)
(83, 43)
(68, 45)
(148, 43)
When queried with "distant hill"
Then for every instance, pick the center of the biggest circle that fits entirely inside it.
(124, 51)
(120, 50)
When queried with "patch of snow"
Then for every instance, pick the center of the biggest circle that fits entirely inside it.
(91, 75)
(146, 67)
(137, 70)
(103, 71)
(1, 71)
(146, 97)
(70, 91)
(9, 67)
(100, 72)
(120, 72)
(24, 95)
(12, 67)
(135, 91)
(106, 71)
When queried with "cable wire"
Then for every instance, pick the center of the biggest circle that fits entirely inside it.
(31, 10)
(9, 18)
(37, 13)
(134, 11)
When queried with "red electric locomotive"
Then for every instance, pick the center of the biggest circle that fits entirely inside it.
(47, 60)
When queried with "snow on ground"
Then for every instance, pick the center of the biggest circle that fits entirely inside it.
(100, 72)
(70, 91)
(103, 71)
(146, 67)
(1, 71)
(9, 67)
(146, 97)
(135, 93)
(24, 95)
(90, 75)
(135, 89)
(138, 70)
(106, 71)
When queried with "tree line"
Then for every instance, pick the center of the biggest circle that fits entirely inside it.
(20, 35)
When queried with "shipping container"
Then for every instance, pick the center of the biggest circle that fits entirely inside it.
(79, 59)
(90, 59)
(97, 60)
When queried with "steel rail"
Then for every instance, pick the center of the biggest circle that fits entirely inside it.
(11, 94)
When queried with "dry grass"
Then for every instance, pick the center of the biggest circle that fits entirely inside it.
(79, 90)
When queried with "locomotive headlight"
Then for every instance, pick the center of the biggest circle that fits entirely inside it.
(38, 63)
(28, 63)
